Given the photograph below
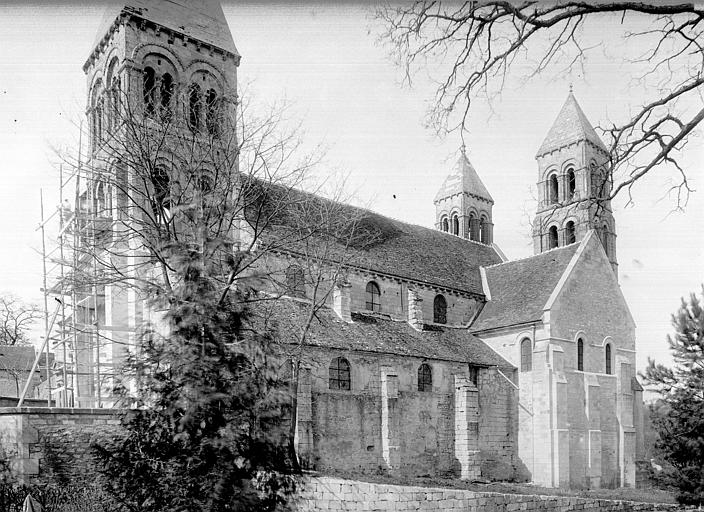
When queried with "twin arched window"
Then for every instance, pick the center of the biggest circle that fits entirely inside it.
(440, 310)
(526, 355)
(425, 378)
(158, 92)
(373, 297)
(445, 225)
(339, 374)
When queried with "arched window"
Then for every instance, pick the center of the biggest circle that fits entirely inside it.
(526, 355)
(455, 225)
(373, 302)
(425, 378)
(295, 282)
(553, 191)
(99, 113)
(339, 374)
(440, 310)
(445, 225)
(113, 84)
(211, 112)
(162, 190)
(167, 92)
(102, 200)
(194, 107)
(571, 184)
(580, 355)
(205, 185)
(473, 227)
(604, 237)
(149, 90)
(483, 231)
(569, 233)
(552, 237)
(607, 356)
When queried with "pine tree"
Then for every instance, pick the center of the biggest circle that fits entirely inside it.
(680, 424)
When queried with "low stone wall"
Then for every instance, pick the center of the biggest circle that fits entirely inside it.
(333, 494)
(52, 444)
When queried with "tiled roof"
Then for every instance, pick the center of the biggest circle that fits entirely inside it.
(463, 178)
(199, 19)
(391, 247)
(520, 289)
(571, 125)
(374, 333)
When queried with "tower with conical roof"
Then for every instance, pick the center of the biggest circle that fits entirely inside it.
(572, 180)
(463, 204)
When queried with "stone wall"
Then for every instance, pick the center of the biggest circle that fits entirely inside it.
(323, 493)
(42, 443)
(383, 423)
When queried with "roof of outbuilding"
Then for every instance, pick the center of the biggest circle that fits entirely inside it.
(376, 333)
(16, 357)
(463, 179)
(571, 125)
(520, 289)
(203, 20)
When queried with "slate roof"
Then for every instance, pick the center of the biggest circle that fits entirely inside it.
(520, 289)
(463, 178)
(389, 246)
(375, 333)
(199, 19)
(571, 125)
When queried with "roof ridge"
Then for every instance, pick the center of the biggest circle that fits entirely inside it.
(554, 249)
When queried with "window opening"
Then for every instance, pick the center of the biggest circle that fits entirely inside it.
(339, 374)
(526, 355)
(425, 378)
(373, 302)
(440, 310)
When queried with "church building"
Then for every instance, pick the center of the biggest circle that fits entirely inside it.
(435, 355)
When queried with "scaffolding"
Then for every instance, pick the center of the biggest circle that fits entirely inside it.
(81, 375)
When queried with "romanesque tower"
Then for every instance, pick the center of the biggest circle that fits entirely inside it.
(463, 204)
(160, 74)
(572, 178)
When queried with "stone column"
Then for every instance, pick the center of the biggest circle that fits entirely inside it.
(467, 428)
(341, 301)
(389, 418)
(303, 438)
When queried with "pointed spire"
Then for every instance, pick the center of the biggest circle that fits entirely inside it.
(463, 179)
(203, 20)
(571, 125)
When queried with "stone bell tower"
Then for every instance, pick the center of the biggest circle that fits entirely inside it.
(463, 204)
(572, 182)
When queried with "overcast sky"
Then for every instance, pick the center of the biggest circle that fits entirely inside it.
(348, 93)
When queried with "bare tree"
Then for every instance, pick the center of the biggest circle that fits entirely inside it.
(16, 318)
(480, 43)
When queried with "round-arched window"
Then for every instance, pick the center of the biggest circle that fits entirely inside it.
(373, 297)
(570, 236)
(425, 378)
(339, 374)
(552, 237)
(580, 354)
(553, 190)
(526, 355)
(439, 310)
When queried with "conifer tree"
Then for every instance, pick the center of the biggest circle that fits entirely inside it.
(680, 422)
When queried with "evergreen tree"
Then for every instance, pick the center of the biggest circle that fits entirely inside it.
(680, 424)
(204, 430)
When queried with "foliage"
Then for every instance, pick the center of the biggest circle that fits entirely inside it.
(470, 49)
(16, 318)
(679, 419)
(204, 430)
